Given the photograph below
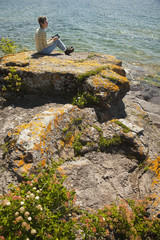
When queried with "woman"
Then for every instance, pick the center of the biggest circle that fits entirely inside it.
(45, 46)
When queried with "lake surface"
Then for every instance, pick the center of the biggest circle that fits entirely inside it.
(129, 30)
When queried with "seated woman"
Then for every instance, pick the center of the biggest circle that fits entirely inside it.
(45, 46)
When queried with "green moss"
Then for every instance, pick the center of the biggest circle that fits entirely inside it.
(83, 76)
(115, 140)
(113, 79)
(125, 128)
(77, 121)
(97, 128)
(5, 148)
(90, 144)
(146, 169)
(64, 130)
(68, 135)
(91, 55)
(85, 100)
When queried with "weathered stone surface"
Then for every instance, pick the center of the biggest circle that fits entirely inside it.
(65, 133)
(42, 138)
(101, 178)
(100, 75)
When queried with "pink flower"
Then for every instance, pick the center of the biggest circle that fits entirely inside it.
(32, 195)
(94, 229)
(35, 180)
(24, 224)
(28, 227)
(16, 198)
(107, 233)
(39, 207)
(26, 214)
(16, 214)
(18, 233)
(6, 203)
(18, 219)
(2, 238)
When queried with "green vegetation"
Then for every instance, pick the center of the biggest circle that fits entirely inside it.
(64, 130)
(41, 207)
(146, 168)
(91, 55)
(113, 79)
(83, 76)
(77, 121)
(126, 221)
(77, 144)
(125, 128)
(68, 136)
(85, 100)
(13, 83)
(5, 147)
(7, 46)
(115, 140)
(97, 128)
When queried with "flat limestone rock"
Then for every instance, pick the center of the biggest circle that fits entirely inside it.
(42, 138)
(58, 74)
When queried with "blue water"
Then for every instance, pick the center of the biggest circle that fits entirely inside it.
(129, 30)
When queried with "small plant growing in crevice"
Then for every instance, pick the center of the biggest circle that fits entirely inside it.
(77, 121)
(125, 128)
(68, 136)
(7, 46)
(97, 128)
(77, 144)
(13, 83)
(115, 140)
(85, 100)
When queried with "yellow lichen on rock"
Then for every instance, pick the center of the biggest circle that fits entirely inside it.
(57, 74)
(42, 137)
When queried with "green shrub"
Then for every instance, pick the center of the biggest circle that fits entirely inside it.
(125, 221)
(13, 83)
(7, 46)
(40, 208)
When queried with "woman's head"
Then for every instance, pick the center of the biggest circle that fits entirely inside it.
(43, 21)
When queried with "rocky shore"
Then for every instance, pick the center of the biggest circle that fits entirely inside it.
(105, 147)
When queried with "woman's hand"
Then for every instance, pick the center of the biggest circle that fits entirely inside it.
(55, 39)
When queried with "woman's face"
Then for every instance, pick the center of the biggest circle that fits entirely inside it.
(45, 24)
